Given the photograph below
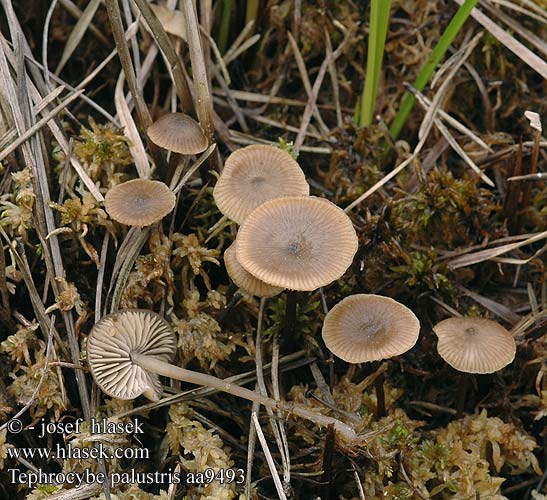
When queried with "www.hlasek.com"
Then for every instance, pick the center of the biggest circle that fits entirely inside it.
(97, 451)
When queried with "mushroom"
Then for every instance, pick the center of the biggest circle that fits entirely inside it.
(173, 21)
(297, 242)
(140, 202)
(127, 351)
(474, 345)
(255, 174)
(245, 280)
(179, 133)
(366, 327)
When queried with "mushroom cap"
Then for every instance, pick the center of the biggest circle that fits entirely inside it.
(368, 327)
(173, 21)
(109, 347)
(255, 174)
(179, 133)
(475, 345)
(299, 243)
(139, 202)
(244, 279)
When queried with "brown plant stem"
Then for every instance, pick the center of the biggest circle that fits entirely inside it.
(145, 120)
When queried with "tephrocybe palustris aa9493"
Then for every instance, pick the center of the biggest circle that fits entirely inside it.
(127, 351)
(300, 243)
(473, 346)
(366, 328)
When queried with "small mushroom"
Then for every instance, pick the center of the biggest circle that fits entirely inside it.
(245, 280)
(127, 351)
(473, 346)
(109, 348)
(255, 174)
(179, 133)
(366, 327)
(299, 242)
(173, 21)
(139, 202)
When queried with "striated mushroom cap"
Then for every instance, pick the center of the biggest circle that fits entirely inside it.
(367, 327)
(299, 243)
(245, 280)
(139, 202)
(179, 133)
(109, 347)
(475, 345)
(255, 174)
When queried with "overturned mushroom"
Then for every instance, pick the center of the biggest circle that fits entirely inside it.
(127, 351)
(139, 202)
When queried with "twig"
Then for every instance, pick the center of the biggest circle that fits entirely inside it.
(315, 90)
(145, 120)
(269, 458)
(262, 390)
(204, 106)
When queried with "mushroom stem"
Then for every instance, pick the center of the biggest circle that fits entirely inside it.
(380, 397)
(290, 314)
(463, 389)
(168, 370)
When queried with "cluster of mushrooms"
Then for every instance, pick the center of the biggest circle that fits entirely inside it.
(287, 239)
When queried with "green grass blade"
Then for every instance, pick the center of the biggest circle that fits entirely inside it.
(432, 61)
(379, 18)
(225, 25)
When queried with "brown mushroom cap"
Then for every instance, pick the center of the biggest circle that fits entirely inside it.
(245, 280)
(173, 21)
(255, 174)
(114, 338)
(179, 133)
(475, 345)
(299, 243)
(139, 202)
(367, 327)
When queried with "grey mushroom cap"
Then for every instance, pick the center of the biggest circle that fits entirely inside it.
(367, 327)
(255, 174)
(114, 338)
(139, 202)
(179, 133)
(299, 243)
(475, 345)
